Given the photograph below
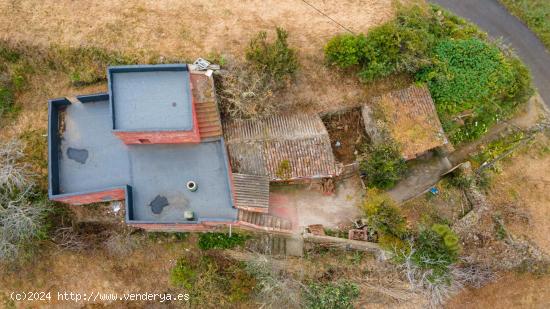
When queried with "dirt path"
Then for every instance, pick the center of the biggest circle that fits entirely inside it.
(498, 22)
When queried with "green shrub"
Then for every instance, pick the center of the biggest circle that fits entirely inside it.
(459, 180)
(275, 58)
(450, 239)
(345, 50)
(384, 215)
(436, 249)
(402, 45)
(213, 240)
(331, 295)
(383, 165)
(474, 77)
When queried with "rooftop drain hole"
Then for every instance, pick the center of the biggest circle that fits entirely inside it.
(192, 186)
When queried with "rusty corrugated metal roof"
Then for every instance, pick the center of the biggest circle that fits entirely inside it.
(206, 107)
(281, 147)
(412, 120)
(251, 191)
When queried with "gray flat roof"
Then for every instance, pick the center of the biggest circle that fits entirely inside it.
(151, 98)
(93, 158)
(164, 170)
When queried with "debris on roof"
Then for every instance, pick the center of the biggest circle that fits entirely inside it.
(281, 147)
(208, 115)
(409, 117)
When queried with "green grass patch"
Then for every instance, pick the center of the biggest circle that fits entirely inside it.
(337, 295)
(497, 148)
(213, 240)
(535, 13)
(213, 280)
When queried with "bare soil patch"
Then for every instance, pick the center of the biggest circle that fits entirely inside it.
(347, 134)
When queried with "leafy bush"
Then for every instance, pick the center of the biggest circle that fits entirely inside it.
(384, 215)
(383, 165)
(331, 295)
(213, 240)
(436, 249)
(275, 58)
(460, 180)
(474, 77)
(345, 50)
(402, 45)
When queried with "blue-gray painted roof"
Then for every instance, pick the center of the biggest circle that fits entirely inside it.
(151, 98)
(89, 157)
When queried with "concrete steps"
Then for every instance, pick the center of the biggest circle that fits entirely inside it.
(264, 221)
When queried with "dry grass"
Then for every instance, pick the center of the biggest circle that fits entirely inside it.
(522, 193)
(189, 29)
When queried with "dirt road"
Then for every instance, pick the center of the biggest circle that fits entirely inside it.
(498, 22)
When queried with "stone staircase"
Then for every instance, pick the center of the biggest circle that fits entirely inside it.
(206, 106)
(208, 118)
(269, 244)
(265, 222)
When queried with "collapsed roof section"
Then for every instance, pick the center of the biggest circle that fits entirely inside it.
(409, 117)
(281, 147)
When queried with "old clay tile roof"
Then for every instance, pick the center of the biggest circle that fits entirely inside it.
(260, 147)
(411, 120)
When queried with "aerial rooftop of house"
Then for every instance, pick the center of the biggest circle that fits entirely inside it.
(154, 140)
(410, 118)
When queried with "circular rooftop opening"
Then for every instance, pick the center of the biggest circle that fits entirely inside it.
(192, 186)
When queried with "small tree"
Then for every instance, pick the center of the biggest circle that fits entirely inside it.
(275, 58)
(383, 165)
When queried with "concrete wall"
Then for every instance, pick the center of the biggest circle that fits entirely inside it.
(92, 197)
(54, 108)
(161, 137)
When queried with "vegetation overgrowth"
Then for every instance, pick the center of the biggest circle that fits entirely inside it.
(382, 164)
(212, 240)
(249, 90)
(474, 82)
(535, 13)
